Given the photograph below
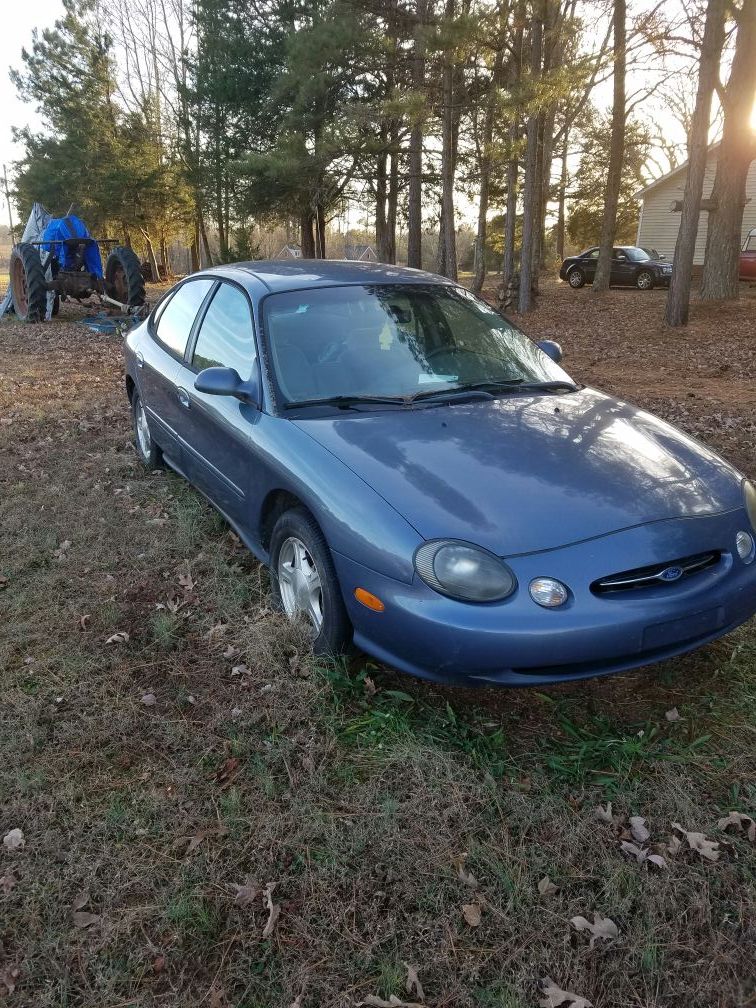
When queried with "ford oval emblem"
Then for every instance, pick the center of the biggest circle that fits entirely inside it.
(671, 574)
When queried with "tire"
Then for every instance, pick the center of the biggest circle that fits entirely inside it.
(27, 281)
(334, 634)
(149, 454)
(644, 280)
(576, 278)
(56, 305)
(123, 277)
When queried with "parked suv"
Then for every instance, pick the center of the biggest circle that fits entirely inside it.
(748, 257)
(631, 267)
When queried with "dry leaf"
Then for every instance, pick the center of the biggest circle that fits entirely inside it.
(81, 901)
(83, 919)
(187, 582)
(674, 845)
(148, 699)
(699, 843)
(546, 887)
(227, 773)
(8, 882)
(14, 839)
(554, 996)
(158, 965)
(642, 855)
(84, 621)
(121, 637)
(741, 822)
(393, 1002)
(8, 978)
(60, 552)
(412, 984)
(602, 927)
(638, 829)
(239, 670)
(3, 580)
(604, 814)
(273, 909)
(216, 998)
(247, 893)
(672, 715)
(471, 912)
(369, 686)
(298, 1001)
(462, 873)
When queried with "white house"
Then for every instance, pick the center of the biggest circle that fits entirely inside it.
(660, 210)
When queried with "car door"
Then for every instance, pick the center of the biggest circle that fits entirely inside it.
(622, 268)
(159, 362)
(588, 264)
(218, 429)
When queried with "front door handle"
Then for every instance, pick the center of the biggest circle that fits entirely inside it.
(183, 398)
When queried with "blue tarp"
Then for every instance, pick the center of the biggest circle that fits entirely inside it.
(62, 228)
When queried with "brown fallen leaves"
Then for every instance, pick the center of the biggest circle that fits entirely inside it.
(699, 843)
(462, 872)
(554, 996)
(742, 823)
(228, 772)
(546, 887)
(601, 928)
(81, 917)
(120, 637)
(393, 1002)
(412, 984)
(248, 893)
(472, 913)
(14, 839)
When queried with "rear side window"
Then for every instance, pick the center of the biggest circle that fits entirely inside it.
(177, 318)
(226, 338)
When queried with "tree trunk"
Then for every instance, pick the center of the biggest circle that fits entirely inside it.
(481, 233)
(393, 194)
(736, 152)
(151, 257)
(381, 237)
(448, 156)
(616, 152)
(510, 218)
(306, 236)
(415, 181)
(320, 231)
(530, 182)
(560, 228)
(205, 241)
(678, 298)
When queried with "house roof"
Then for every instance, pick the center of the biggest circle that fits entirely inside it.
(680, 170)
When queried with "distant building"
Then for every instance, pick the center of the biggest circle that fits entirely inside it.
(290, 251)
(662, 201)
(360, 253)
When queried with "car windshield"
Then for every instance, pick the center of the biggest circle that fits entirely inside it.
(394, 341)
(637, 254)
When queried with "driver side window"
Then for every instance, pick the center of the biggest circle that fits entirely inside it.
(225, 337)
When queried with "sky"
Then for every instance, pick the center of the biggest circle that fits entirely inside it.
(18, 21)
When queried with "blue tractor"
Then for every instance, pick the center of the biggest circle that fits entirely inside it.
(66, 262)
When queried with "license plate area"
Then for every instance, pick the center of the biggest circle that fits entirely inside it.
(686, 628)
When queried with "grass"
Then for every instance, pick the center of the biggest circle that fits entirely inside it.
(357, 791)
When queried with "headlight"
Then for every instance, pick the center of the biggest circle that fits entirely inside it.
(745, 546)
(750, 502)
(463, 571)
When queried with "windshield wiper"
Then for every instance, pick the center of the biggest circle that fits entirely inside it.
(348, 401)
(490, 388)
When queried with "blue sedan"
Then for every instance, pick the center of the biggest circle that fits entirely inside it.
(426, 483)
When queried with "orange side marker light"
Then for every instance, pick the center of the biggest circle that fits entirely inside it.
(369, 600)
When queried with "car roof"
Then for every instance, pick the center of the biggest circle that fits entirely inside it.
(287, 274)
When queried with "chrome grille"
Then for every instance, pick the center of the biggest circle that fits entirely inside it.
(656, 574)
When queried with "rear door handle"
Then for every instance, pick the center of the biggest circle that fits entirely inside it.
(140, 360)
(183, 398)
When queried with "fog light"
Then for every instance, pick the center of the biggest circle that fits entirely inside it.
(744, 544)
(548, 592)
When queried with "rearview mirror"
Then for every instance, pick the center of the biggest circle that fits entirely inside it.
(551, 349)
(225, 381)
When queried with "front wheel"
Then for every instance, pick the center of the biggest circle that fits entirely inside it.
(304, 582)
(576, 278)
(27, 281)
(644, 280)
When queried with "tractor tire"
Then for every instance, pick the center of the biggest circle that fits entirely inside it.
(56, 305)
(123, 277)
(27, 280)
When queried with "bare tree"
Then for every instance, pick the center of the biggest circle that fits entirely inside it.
(616, 150)
(678, 299)
(415, 182)
(736, 152)
(531, 181)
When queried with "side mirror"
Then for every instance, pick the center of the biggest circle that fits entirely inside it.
(661, 255)
(551, 349)
(226, 382)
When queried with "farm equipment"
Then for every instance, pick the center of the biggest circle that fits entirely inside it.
(61, 260)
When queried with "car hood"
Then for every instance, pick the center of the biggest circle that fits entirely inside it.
(524, 473)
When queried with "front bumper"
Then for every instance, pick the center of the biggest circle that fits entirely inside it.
(517, 643)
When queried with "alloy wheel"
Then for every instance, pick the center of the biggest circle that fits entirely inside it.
(644, 281)
(299, 582)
